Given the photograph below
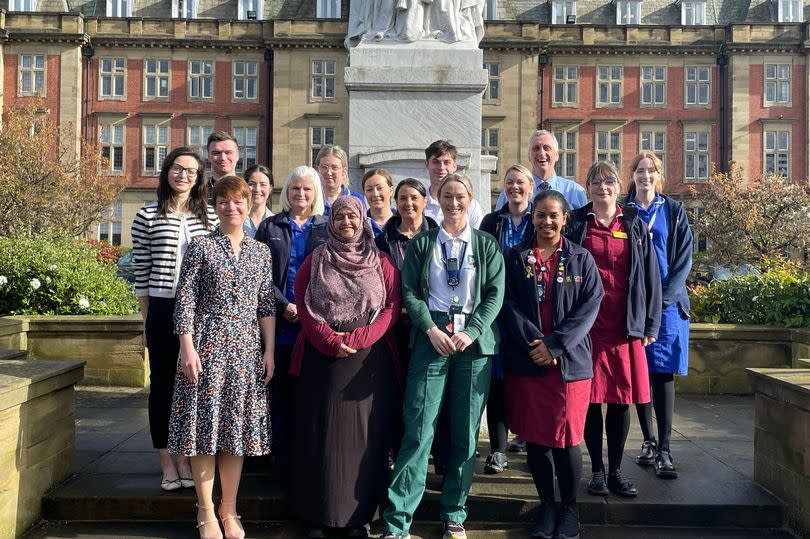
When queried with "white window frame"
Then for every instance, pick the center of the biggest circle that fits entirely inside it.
(628, 12)
(185, 9)
(319, 136)
(119, 8)
(114, 70)
(197, 132)
(609, 78)
(247, 139)
(653, 78)
(568, 140)
(777, 77)
(654, 139)
(565, 80)
(246, 73)
(700, 243)
(561, 9)
(696, 155)
(32, 70)
(112, 139)
(790, 11)
(327, 9)
(110, 224)
(491, 10)
(157, 72)
(608, 144)
(200, 72)
(243, 6)
(492, 92)
(693, 12)
(23, 5)
(155, 140)
(697, 82)
(776, 146)
(323, 79)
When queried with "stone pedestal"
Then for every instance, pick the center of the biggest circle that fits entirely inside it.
(403, 96)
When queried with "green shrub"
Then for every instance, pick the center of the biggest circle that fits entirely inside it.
(59, 276)
(780, 296)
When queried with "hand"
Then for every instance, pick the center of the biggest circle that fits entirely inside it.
(540, 354)
(648, 340)
(268, 365)
(345, 351)
(190, 363)
(441, 342)
(291, 312)
(461, 341)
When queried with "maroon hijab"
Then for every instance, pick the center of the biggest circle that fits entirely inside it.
(346, 281)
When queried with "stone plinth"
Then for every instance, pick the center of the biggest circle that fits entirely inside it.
(403, 96)
(37, 436)
(782, 440)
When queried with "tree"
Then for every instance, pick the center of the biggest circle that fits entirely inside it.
(46, 187)
(746, 221)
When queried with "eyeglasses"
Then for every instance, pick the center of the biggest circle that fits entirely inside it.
(610, 182)
(179, 169)
(333, 168)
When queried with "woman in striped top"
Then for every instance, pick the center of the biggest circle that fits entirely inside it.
(161, 233)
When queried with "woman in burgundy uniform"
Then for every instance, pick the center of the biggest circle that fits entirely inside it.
(628, 320)
(547, 357)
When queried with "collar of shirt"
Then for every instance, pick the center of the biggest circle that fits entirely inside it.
(344, 193)
(631, 201)
(465, 236)
(552, 181)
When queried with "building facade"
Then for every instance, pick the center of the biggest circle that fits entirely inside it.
(697, 82)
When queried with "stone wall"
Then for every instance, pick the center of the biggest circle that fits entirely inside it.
(37, 436)
(782, 440)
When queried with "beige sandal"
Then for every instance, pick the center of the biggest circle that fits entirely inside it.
(238, 521)
(203, 523)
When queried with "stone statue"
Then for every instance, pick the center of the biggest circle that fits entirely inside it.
(449, 21)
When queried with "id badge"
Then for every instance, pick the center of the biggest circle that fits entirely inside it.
(456, 317)
(459, 322)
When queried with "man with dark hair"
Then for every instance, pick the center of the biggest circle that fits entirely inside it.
(440, 160)
(223, 154)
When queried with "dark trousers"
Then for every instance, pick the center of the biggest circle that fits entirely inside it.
(164, 349)
(280, 402)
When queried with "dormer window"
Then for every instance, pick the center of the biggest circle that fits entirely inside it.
(791, 11)
(563, 12)
(22, 5)
(628, 12)
(328, 9)
(693, 12)
(250, 10)
(184, 9)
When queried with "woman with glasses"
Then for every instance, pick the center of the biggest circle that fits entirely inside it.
(669, 355)
(628, 320)
(161, 233)
(332, 164)
(260, 180)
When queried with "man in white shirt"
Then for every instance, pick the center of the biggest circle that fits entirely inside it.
(223, 154)
(440, 160)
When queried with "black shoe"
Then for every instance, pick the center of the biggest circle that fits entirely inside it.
(567, 522)
(496, 463)
(618, 484)
(647, 455)
(357, 532)
(317, 532)
(546, 521)
(597, 485)
(664, 467)
(517, 445)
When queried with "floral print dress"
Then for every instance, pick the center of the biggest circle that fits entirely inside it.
(220, 298)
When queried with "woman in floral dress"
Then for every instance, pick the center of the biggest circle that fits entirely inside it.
(220, 407)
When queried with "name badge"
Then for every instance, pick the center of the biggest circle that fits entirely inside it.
(619, 234)
(459, 322)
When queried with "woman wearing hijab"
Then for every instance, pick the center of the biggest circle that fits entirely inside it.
(347, 398)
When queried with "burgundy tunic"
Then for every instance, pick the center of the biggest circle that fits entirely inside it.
(619, 362)
(544, 409)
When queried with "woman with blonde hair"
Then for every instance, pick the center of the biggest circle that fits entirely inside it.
(332, 164)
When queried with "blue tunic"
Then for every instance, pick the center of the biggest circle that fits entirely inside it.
(287, 333)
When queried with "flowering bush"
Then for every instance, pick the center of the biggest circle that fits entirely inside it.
(59, 276)
(105, 251)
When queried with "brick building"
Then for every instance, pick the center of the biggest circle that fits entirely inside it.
(696, 81)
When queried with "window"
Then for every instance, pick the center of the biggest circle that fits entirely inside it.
(693, 12)
(493, 90)
(697, 85)
(155, 142)
(198, 139)
(609, 147)
(608, 85)
(246, 139)
(490, 138)
(695, 214)
(566, 79)
(119, 8)
(777, 84)
(696, 156)
(245, 80)
(653, 85)
(628, 12)
(109, 229)
(563, 12)
(790, 11)
(654, 140)
(777, 153)
(111, 77)
(323, 79)
(200, 79)
(250, 9)
(184, 9)
(491, 12)
(319, 137)
(31, 73)
(567, 163)
(155, 78)
(327, 9)
(22, 5)
(112, 146)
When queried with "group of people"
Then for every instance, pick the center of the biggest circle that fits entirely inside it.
(358, 333)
